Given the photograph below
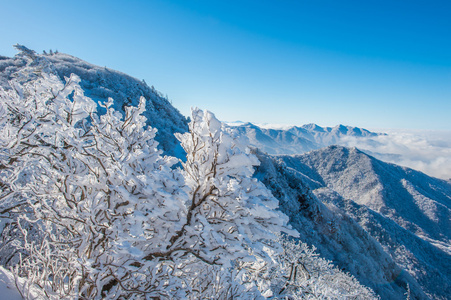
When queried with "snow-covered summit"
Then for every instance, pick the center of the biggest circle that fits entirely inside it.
(100, 83)
(313, 127)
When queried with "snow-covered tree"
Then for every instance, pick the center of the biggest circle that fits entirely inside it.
(94, 189)
(101, 214)
(229, 212)
(230, 216)
(94, 210)
(302, 274)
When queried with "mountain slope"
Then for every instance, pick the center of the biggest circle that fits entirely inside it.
(100, 83)
(335, 235)
(428, 264)
(406, 211)
(417, 202)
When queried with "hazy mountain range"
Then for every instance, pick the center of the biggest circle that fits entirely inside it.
(427, 151)
(389, 226)
(295, 140)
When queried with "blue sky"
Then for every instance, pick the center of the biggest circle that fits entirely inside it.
(372, 64)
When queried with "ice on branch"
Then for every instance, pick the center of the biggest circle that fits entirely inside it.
(90, 209)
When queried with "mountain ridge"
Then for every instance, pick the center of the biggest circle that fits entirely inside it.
(405, 210)
(101, 83)
(297, 139)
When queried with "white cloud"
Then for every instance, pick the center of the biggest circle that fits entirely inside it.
(426, 151)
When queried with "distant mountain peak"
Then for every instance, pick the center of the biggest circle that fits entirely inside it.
(313, 127)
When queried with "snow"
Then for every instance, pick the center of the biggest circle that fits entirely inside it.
(8, 290)
(296, 140)
(336, 236)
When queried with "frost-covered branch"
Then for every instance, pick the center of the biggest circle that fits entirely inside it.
(94, 211)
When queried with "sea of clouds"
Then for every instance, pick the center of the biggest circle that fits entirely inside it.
(423, 150)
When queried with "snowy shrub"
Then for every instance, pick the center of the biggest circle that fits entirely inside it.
(302, 274)
(231, 217)
(99, 213)
(229, 212)
(90, 209)
(90, 186)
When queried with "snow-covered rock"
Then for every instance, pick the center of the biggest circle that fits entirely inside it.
(8, 290)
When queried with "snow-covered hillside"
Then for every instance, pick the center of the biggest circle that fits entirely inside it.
(406, 211)
(419, 203)
(100, 83)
